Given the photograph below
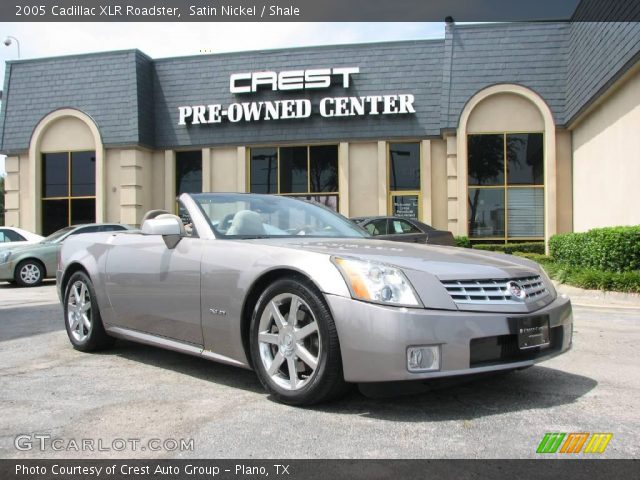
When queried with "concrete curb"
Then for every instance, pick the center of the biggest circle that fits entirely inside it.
(598, 298)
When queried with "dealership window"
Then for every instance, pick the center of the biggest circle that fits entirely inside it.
(68, 189)
(188, 176)
(303, 171)
(189, 172)
(506, 186)
(404, 179)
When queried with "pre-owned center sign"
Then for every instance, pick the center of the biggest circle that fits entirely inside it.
(292, 80)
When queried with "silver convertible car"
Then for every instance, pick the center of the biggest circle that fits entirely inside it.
(306, 298)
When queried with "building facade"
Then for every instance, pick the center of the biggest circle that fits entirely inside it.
(501, 132)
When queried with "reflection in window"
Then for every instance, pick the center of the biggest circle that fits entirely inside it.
(524, 159)
(512, 206)
(299, 171)
(55, 175)
(404, 166)
(486, 215)
(83, 174)
(294, 176)
(68, 189)
(189, 172)
(264, 170)
(486, 159)
(324, 168)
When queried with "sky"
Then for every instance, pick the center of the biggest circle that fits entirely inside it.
(177, 39)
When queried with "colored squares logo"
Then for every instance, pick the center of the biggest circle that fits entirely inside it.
(574, 442)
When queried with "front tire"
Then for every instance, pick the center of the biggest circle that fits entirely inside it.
(82, 315)
(294, 344)
(29, 273)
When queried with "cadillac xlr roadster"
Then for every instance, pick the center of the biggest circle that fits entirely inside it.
(306, 298)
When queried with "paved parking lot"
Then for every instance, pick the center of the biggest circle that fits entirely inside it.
(134, 392)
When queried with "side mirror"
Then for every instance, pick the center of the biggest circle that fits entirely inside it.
(169, 227)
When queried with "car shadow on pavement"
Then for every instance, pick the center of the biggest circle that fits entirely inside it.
(20, 322)
(193, 366)
(462, 398)
(466, 398)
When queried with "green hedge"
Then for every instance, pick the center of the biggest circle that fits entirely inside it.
(526, 247)
(463, 242)
(589, 278)
(612, 249)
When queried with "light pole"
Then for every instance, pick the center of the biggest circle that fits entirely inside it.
(9, 40)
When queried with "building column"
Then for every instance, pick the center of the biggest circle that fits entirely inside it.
(131, 187)
(425, 181)
(455, 221)
(169, 180)
(12, 192)
(207, 170)
(241, 171)
(383, 185)
(343, 178)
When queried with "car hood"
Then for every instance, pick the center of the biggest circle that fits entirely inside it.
(446, 263)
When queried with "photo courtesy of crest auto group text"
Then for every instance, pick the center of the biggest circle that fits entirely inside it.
(319, 240)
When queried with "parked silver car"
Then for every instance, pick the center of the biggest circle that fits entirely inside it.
(305, 298)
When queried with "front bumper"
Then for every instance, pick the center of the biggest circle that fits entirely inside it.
(374, 339)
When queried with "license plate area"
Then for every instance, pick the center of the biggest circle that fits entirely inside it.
(532, 331)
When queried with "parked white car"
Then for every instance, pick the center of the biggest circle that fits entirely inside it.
(11, 237)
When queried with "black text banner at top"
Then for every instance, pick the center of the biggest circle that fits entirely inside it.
(317, 10)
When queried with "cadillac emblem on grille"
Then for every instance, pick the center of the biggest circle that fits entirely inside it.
(516, 291)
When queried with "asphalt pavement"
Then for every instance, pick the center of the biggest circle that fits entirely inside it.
(151, 400)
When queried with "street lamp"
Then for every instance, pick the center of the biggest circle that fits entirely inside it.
(9, 40)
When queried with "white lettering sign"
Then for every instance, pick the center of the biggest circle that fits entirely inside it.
(291, 80)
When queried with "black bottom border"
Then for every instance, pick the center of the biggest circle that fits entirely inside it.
(123, 469)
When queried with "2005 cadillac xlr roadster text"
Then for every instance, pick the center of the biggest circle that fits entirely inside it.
(306, 298)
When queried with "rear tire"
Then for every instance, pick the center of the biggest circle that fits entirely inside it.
(82, 318)
(29, 273)
(294, 344)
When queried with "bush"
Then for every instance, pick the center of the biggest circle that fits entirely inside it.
(612, 249)
(463, 242)
(588, 278)
(526, 247)
(536, 257)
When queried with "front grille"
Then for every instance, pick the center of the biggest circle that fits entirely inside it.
(502, 349)
(493, 291)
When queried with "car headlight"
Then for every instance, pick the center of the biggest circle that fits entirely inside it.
(4, 256)
(377, 282)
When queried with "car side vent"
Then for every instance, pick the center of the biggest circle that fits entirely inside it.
(496, 291)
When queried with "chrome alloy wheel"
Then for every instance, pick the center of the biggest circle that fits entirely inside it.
(289, 341)
(30, 274)
(79, 315)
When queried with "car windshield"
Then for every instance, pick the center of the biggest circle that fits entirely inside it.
(236, 215)
(57, 235)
